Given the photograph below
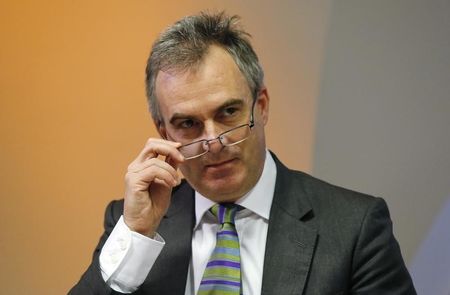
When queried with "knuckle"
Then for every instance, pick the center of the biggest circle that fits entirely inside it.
(150, 141)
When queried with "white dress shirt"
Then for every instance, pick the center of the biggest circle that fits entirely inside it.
(127, 257)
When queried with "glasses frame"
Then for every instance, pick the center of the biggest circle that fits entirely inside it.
(251, 124)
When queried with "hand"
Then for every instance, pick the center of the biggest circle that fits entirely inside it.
(148, 185)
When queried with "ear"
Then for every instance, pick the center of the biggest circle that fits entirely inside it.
(262, 105)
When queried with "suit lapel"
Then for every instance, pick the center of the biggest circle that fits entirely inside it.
(290, 243)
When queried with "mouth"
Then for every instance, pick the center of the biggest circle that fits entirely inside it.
(220, 165)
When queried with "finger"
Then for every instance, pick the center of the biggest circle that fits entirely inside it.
(172, 163)
(157, 163)
(149, 174)
(162, 182)
(155, 147)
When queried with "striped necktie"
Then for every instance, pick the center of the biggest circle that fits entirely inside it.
(222, 275)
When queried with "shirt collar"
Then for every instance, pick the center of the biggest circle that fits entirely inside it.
(258, 199)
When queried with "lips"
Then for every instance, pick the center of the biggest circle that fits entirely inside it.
(220, 164)
(221, 167)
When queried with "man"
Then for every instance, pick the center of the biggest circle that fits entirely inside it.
(240, 222)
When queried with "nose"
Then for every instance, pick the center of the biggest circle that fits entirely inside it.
(214, 144)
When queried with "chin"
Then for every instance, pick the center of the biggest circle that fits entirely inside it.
(221, 189)
(222, 183)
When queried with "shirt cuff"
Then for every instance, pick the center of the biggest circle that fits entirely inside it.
(127, 257)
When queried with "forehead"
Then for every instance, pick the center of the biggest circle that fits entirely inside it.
(214, 80)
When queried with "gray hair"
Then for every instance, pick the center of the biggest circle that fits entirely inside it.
(185, 43)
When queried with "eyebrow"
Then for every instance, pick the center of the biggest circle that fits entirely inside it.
(228, 103)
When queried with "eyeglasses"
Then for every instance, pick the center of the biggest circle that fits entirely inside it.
(230, 137)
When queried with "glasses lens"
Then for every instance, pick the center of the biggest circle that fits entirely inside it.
(193, 149)
(235, 136)
(230, 137)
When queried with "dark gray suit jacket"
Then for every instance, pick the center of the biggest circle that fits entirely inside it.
(321, 240)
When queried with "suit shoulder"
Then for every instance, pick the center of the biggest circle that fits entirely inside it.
(338, 212)
(324, 196)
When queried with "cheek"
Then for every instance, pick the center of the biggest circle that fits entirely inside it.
(259, 136)
(190, 169)
(255, 141)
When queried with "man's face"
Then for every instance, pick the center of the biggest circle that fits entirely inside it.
(203, 102)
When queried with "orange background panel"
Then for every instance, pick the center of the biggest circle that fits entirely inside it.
(73, 114)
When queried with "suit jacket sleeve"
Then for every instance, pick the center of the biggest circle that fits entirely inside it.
(378, 266)
(168, 274)
(92, 281)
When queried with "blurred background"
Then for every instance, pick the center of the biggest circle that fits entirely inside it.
(360, 96)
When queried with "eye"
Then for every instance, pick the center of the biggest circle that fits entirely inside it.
(186, 124)
(230, 111)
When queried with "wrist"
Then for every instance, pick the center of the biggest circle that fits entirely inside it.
(137, 227)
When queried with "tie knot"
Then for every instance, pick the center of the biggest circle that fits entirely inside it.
(225, 213)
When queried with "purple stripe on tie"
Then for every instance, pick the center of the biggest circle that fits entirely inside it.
(221, 212)
(227, 232)
(224, 263)
(220, 282)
